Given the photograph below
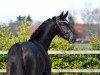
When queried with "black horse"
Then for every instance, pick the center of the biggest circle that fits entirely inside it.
(31, 57)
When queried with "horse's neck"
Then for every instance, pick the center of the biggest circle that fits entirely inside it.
(44, 34)
(47, 36)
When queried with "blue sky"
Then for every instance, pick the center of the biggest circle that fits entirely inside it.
(42, 9)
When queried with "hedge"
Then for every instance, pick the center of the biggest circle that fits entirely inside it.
(7, 39)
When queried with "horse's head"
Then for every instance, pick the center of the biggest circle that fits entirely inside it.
(64, 29)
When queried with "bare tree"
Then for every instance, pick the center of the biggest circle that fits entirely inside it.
(86, 15)
(92, 19)
(96, 16)
(91, 16)
(96, 19)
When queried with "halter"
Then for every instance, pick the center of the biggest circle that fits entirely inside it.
(62, 27)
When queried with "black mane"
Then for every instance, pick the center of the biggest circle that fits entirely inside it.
(38, 32)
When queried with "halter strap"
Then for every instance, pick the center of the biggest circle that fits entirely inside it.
(60, 26)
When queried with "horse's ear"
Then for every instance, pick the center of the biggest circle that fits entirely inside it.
(65, 15)
(61, 15)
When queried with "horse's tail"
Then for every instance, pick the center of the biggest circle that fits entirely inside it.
(15, 65)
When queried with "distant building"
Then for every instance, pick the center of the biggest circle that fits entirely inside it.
(84, 31)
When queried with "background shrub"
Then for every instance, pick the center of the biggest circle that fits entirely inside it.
(60, 44)
(7, 39)
(95, 42)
